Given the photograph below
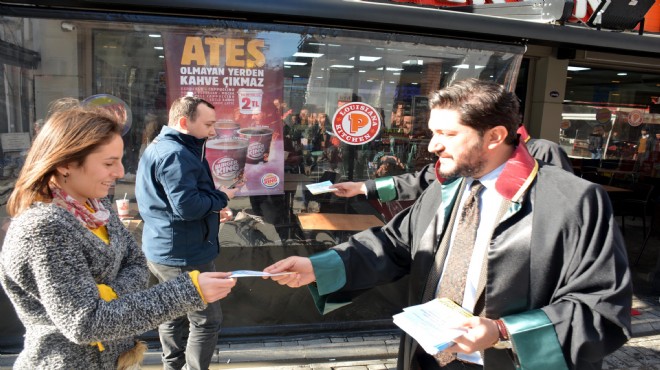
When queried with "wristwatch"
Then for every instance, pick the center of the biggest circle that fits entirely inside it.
(504, 341)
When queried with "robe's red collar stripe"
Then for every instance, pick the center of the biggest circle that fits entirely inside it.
(524, 135)
(437, 172)
(518, 173)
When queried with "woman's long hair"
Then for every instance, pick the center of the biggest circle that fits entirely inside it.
(68, 137)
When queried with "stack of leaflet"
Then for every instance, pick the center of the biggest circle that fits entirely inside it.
(433, 324)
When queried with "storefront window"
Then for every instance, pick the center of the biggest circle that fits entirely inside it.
(276, 90)
(610, 123)
(293, 81)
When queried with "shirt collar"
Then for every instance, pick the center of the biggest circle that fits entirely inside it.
(488, 180)
(184, 138)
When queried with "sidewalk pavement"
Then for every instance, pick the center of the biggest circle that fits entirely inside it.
(375, 352)
(378, 350)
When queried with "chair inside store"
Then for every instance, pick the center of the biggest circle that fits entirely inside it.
(293, 162)
(636, 204)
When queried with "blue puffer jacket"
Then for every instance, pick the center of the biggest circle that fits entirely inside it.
(178, 201)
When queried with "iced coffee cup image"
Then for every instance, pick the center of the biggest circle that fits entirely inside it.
(123, 208)
(226, 129)
(226, 158)
(259, 138)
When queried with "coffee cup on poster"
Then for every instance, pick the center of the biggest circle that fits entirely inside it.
(226, 159)
(226, 129)
(123, 208)
(259, 139)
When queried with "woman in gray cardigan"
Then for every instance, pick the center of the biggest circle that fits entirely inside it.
(75, 275)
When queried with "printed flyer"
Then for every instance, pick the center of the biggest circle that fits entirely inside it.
(236, 75)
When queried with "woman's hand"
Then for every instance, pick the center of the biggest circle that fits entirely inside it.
(215, 285)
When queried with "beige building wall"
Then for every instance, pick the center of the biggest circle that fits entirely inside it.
(58, 74)
(548, 86)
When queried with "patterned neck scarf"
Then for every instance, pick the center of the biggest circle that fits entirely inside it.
(91, 220)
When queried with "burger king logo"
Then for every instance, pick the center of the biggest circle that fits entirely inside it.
(256, 150)
(270, 180)
(356, 123)
(225, 168)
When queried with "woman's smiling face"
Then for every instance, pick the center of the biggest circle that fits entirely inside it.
(94, 177)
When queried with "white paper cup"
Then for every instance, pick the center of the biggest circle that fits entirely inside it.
(259, 139)
(226, 158)
(122, 208)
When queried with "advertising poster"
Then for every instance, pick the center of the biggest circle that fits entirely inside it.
(238, 76)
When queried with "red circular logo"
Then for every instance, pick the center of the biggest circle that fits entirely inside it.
(635, 117)
(356, 123)
(270, 180)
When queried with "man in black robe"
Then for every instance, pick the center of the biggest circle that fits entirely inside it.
(548, 280)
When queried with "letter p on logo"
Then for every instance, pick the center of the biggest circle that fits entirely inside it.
(358, 120)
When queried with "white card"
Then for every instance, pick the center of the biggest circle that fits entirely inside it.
(251, 273)
(320, 187)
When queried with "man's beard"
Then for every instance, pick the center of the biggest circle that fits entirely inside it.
(472, 162)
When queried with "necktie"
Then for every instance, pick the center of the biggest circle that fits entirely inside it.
(454, 277)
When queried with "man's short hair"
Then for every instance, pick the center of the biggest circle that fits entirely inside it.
(186, 106)
(482, 105)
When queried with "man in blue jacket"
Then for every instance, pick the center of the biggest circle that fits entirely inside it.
(181, 209)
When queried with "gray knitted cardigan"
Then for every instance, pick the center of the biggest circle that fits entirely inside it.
(49, 267)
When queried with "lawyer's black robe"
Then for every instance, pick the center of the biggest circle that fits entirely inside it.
(557, 270)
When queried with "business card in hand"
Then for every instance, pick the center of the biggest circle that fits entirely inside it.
(250, 273)
(320, 187)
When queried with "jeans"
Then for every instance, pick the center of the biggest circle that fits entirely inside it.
(198, 352)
